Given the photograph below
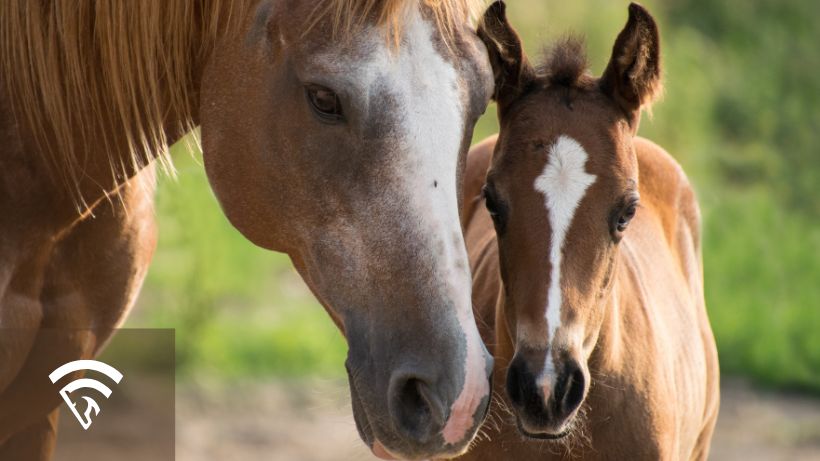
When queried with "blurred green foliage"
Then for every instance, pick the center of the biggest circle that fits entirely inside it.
(740, 113)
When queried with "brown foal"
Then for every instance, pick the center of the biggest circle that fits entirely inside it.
(587, 273)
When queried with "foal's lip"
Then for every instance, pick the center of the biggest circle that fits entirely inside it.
(542, 435)
(380, 452)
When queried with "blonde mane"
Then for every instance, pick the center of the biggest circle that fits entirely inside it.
(116, 73)
(107, 73)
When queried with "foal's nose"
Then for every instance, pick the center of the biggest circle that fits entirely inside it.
(416, 409)
(521, 388)
(544, 404)
(569, 389)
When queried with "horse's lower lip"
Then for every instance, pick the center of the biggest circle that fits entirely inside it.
(380, 452)
(378, 449)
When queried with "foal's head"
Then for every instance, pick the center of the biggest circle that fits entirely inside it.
(562, 189)
(345, 150)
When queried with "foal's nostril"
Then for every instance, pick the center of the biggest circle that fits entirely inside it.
(417, 411)
(515, 386)
(569, 390)
(521, 387)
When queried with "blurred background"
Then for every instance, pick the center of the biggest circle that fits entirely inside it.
(740, 113)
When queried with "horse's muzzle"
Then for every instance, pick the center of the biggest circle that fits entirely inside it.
(419, 408)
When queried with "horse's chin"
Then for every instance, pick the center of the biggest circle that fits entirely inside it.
(360, 417)
(380, 451)
(365, 428)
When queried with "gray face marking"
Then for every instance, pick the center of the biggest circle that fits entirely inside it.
(426, 93)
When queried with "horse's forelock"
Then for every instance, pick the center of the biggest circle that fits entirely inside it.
(348, 16)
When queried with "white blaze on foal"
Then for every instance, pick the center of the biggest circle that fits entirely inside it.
(564, 182)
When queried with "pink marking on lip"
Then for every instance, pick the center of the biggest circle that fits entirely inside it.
(380, 452)
(476, 388)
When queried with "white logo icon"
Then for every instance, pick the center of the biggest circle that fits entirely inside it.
(77, 365)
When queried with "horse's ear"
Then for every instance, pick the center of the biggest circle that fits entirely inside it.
(633, 76)
(511, 69)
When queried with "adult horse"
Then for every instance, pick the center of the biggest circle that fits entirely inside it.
(333, 131)
(587, 260)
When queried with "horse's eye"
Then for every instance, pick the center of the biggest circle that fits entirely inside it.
(325, 103)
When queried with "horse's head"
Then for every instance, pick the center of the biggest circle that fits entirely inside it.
(346, 151)
(562, 189)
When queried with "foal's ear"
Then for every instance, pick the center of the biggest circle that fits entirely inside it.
(633, 76)
(511, 68)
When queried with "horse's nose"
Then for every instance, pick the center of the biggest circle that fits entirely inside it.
(569, 389)
(417, 411)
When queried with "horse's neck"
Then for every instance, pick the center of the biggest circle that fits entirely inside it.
(107, 167)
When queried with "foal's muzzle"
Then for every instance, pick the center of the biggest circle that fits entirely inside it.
(545, 410)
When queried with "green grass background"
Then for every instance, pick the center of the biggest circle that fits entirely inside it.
(740, 113)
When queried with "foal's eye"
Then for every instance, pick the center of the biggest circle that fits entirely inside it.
(325, 103)
(623, 217)
(494, 207)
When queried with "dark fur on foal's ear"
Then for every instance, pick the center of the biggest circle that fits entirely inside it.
(633, 76)
(512, 71)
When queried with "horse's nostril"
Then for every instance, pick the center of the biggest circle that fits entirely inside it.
(417, 411)
(570, 389)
